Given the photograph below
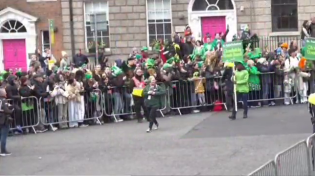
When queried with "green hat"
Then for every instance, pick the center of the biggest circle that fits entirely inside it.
(256, 54)
(116, 71)
(150, 63)
(170, 60)
(88, 76)
(1, 78)
(144, 48)
(167, 65)
(200, 64)
(138, 56)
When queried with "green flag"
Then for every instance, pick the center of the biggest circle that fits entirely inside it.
(233, 52)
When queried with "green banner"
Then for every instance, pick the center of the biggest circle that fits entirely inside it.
(233, 52)
(310, 49)
(52, 31)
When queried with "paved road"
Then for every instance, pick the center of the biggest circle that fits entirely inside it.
(196, 144)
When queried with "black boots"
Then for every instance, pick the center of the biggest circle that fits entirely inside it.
(233, 116)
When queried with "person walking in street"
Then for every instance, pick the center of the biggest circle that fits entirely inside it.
(242, 89)
(5, 121)
(153, 94)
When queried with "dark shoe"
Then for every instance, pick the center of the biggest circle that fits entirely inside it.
(6, 153)
(245, 116)
(232, 117)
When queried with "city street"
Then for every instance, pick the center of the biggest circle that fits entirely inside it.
(194, 144)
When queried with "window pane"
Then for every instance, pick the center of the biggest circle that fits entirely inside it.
(168, 37)
(160, 37)
(225, 4)
(103, 42)
(151, 39)
(168, 28)
(159, 28)
(284, 18)
(46, 37)
(152, 29)
(200, 5)
(96, 17)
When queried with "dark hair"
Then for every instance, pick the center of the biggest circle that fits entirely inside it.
(240, 67)
(305, 23)
(71, 81)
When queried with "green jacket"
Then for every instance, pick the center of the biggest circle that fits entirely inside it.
(198, 51)
(215, 43)
(242, 81)
(254, 81)
(156, 99)
(207, 47)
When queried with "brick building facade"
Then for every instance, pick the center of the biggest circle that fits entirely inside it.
(120, 25)
(24, 28)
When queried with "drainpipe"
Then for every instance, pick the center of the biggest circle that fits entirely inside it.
(71, 28)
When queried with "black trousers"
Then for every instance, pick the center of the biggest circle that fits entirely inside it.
(139, 102)
(312, 112)
(152, 116)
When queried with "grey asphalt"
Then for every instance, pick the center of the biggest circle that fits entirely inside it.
(194, 144)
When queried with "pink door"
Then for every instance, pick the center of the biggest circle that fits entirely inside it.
(14, 52)
(213, 25)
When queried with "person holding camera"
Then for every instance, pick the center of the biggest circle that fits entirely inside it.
(5, 121)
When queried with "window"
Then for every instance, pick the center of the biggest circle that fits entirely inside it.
(45, 40)
(159, 20)
(96, 26)
(284, 15)
(12, 26)
(205, 5)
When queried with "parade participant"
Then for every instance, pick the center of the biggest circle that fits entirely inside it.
(311, 106)
(242, 89)
(152, 95)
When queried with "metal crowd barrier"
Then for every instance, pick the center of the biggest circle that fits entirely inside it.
(297, 160)
(118, 101)
(268, 169)
(72, 112)
(25, 114)
(294, 160)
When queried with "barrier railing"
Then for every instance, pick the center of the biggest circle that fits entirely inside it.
(25, 114)
(294, 160)
(268, 169)
(59, 111)
(118, 101)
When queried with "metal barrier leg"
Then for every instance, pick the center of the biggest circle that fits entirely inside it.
(180, 113)
(51, 126)
(33, 128)
(98, 121)
(161, 113)
(225, 106)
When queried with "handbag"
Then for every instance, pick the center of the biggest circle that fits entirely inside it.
(138, 91)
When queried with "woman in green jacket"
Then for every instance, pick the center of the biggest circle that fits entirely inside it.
(242, 89)
(153, 94)
(254, 83)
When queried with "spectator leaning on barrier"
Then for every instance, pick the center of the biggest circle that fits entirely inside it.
(5, 121)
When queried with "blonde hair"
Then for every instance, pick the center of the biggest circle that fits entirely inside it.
(211, 60)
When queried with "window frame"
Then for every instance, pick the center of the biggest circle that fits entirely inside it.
(43, 44)
(85, 25)
(274, 27)
(147, 22)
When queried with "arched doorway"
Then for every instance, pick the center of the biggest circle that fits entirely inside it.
(17, 38)
(212, 16)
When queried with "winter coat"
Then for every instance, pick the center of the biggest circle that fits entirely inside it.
(241, 78)
(156, 99)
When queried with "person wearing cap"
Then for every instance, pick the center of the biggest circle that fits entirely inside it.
(153, 96)
(5, 121)
(145, 54)
(242, 89)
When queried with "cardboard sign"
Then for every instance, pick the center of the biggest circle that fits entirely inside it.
(233, 51)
